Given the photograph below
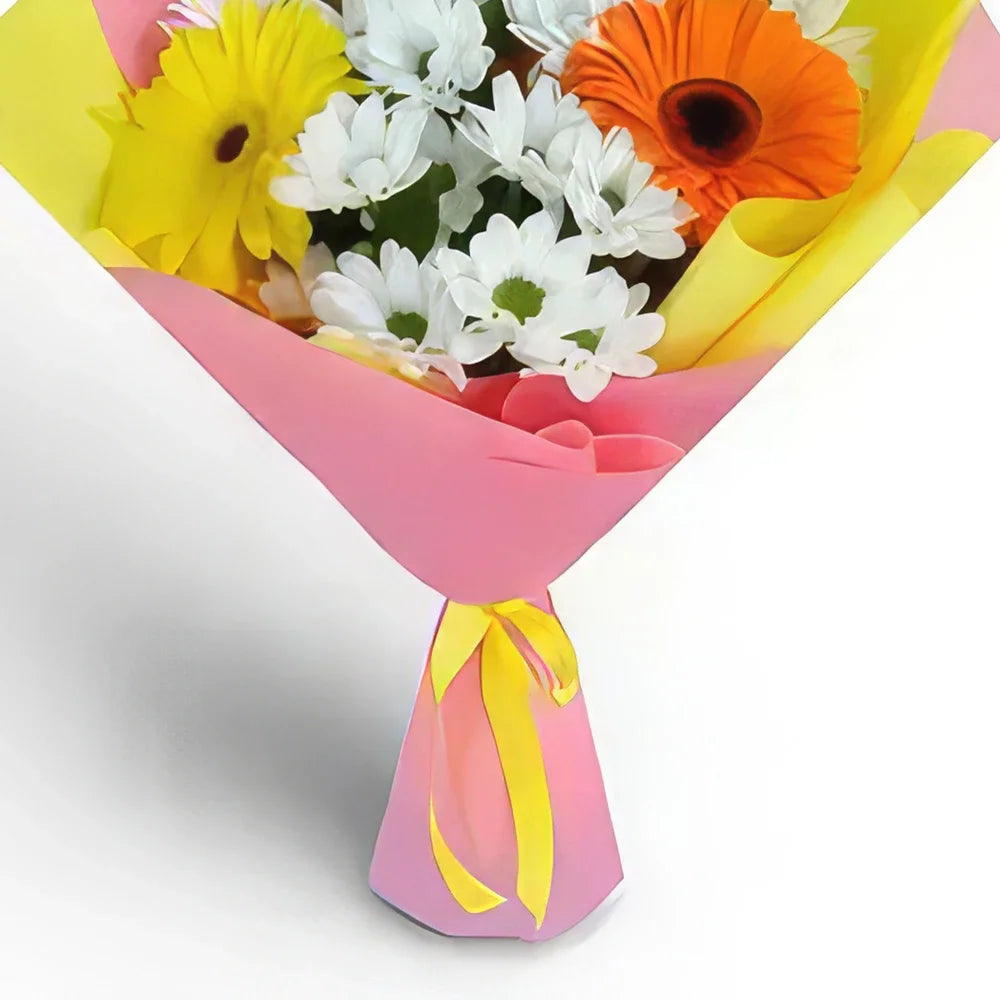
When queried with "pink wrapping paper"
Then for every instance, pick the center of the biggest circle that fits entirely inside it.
(474, 815)
(486, 501)
(480, 510)
(134, 36)
(966, 95)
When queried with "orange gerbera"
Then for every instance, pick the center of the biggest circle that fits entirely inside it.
(725, 98)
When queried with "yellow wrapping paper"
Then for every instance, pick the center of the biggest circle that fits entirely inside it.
(775, 266)
(56, 67)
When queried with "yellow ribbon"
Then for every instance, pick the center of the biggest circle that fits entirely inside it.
(506, 675)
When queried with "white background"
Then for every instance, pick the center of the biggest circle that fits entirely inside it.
(789, 650)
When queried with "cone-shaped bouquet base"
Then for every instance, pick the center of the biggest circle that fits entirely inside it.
(450, 754)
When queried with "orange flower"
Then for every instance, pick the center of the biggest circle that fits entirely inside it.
(725, 98)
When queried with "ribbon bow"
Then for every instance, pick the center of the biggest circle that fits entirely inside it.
(520, 644)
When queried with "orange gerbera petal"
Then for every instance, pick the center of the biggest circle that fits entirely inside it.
(725, 98)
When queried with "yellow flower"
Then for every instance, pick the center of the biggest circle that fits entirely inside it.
(191, 167)
(775, 266)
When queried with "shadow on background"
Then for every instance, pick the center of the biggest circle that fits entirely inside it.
(297, 742)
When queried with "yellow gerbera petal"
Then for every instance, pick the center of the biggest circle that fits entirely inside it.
(189, 183)
(54, 67)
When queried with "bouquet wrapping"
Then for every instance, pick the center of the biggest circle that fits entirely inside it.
(407, 238)
(486, 732)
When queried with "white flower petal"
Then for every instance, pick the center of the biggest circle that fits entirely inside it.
(475, 344)
(371, 178)
(402, 275)
(364, 272)
(390, 39)
(585, 379)
(402, 140)
(338, 301)
(816, 17)
(460, 206)
(568, 261)
(471, 297)
(632, 336)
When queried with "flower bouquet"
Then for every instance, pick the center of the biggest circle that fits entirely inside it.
(489, 270)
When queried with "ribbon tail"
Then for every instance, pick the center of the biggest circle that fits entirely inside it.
(506, 687)
(468, 891)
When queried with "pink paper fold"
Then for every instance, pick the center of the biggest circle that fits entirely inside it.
(134, 36)
(681, 407)
(966, 95)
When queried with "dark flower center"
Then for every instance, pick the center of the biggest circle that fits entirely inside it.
(712, 123)
(229, 147)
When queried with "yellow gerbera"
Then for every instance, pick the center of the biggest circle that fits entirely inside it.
(191, 167)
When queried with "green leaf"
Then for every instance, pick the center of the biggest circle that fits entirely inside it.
(495, 18)
(338, 232)
(587, 339)
(412, 217)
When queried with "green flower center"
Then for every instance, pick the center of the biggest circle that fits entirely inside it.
(407, 326)
(587, 339)
(521, 297)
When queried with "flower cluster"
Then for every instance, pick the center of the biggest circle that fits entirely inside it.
(491, 186)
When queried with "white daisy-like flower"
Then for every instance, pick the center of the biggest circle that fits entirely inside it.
(818, 20)
(427, 50)
(470, 165)
(517, 132)
(208, 13)
(612, 197)
(401, 307)
(592, 336)
(506, 278)
(553, 27)
(353, 156)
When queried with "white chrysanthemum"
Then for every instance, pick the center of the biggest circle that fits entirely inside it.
(470, 165)
(506, 278)
(589, 337)
(401, 307)
(553, 27)
(818, 20)
(518, 132)
(353, 156)
(612, 197)
(208, 13)
(427, 50)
